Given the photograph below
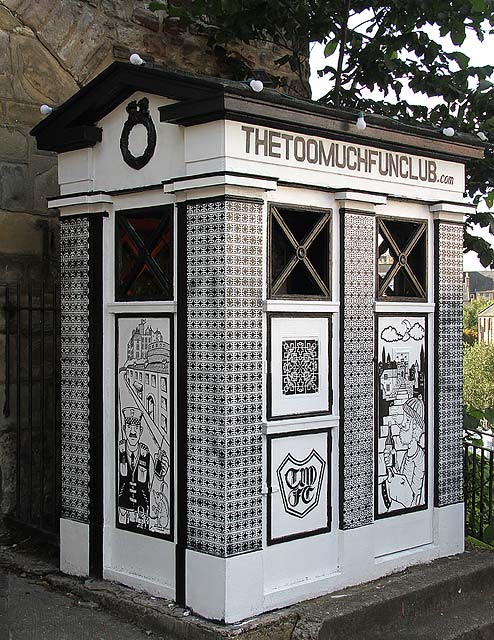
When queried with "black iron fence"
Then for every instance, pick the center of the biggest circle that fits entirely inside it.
(479, 484)
(30, 315)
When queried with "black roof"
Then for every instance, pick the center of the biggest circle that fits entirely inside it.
(72, 125)
(480, 280)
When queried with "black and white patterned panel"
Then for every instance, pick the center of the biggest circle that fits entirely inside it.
(357, 290)
(224, 377)
(300, 366)
(449, 363)
(75, 368)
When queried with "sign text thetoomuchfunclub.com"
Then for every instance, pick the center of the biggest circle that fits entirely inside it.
(270, 143)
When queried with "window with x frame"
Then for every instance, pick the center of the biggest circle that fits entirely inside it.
(144, 264)
(401, 259)
(299, 253)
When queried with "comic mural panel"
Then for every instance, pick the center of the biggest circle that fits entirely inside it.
(144, 424)
(401, 423)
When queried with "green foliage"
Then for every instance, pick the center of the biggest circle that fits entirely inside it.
(478, 480)
(478, 376)
(387, 46)
(471, 311)
(473, 543)
(470, 336)
(478, 474)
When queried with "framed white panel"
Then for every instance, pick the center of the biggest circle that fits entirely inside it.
(298, 485)
(299, 350)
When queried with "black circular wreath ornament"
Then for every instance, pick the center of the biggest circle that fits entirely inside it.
(138, 114)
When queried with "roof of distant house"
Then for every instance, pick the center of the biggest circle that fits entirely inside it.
(480, 280)
(489, 312)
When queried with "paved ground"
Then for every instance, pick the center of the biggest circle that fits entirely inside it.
(30, 610)
(448, 599)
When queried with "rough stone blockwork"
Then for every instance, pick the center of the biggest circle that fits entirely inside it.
(224, 383)
(449, 263)
(357, 346)
(75, 369)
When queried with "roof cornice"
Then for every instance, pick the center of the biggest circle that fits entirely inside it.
(73, 125)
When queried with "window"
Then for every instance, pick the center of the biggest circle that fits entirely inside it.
(401, 259)
(153, 380)
(163, 384)
(299, 257)
(144, 267)
(150, 407)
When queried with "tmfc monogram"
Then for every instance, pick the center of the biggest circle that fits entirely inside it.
(300, 483)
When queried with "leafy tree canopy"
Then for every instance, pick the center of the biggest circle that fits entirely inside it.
(384, 46)
(478, 376)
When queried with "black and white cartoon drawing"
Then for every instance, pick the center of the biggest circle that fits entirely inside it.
(401, 437)
(144, 452)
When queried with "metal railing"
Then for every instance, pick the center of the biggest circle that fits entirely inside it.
(478, 459)
(31, 413)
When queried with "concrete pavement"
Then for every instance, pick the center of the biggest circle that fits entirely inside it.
(30, 610)
(448, 599)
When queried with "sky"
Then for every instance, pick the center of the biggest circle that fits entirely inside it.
(480, 53)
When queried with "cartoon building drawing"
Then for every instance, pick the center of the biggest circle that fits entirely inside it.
(143, 429)
(401, 424)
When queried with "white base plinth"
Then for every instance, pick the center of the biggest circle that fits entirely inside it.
(237, 588)
(74, 547)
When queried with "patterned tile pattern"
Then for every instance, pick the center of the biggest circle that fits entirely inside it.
(358, 369)
(300, 367)
(224, 378)
(75, 368)
(449, 363)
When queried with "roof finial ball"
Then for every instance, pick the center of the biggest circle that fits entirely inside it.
(45, 110)
(256, 85)
(361, 123)
(136, 59)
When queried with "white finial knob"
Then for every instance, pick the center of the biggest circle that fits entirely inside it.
(361, 123)
(136, 59)
(256, 85)
(45, 109)
(449, 131)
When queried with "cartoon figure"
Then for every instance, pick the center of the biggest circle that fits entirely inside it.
(404, 484)
(135, 470)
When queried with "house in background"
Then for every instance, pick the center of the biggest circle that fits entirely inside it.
(478, 284)
(486, 324)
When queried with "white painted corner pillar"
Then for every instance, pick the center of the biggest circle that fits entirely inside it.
(357, 294)
(359, 200)
(224, 288)
(448, 365)
(74, 547)
(357, 281)
(81, 365)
